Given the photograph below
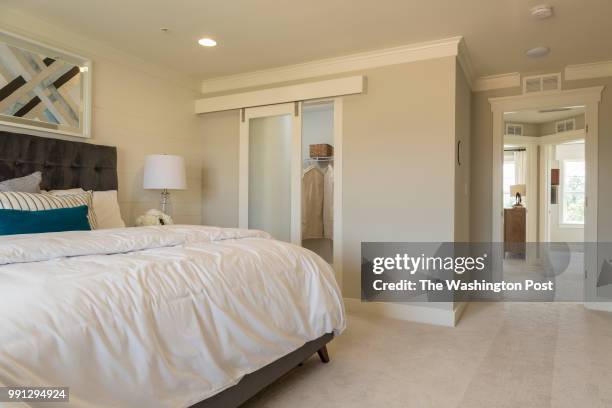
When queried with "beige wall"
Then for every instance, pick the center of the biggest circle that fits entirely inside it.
(547, 128)
(144, 115)
(220, 132)
(399, 155)
(398, 160)
(529, 129)
(550, 128)
(480, 223)
(138, 108)
(462, 172)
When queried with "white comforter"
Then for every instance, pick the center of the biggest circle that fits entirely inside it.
(156, 316)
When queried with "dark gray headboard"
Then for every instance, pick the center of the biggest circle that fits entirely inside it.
(64, 164)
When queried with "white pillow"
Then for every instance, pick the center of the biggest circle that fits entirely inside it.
(105, 205)
(26, 184)
(64, 192)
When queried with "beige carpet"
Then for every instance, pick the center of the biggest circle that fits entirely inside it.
(501, 355)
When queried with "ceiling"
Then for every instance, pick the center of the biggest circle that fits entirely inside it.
(261, 34)
(536, 116)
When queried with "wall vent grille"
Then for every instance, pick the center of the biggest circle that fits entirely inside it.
(542, 83)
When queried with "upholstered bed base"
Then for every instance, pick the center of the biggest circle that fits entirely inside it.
(252, 383)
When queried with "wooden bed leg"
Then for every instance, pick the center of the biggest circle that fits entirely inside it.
(322, 352)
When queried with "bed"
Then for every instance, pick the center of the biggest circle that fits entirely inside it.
(171, 316)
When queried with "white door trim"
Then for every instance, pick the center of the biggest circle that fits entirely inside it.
(296, 170)
(588, 97)
(338, 133)
(338, 240)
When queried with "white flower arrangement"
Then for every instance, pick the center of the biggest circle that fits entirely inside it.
(153, 217)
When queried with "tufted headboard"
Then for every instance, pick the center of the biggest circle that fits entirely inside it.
(64, 164)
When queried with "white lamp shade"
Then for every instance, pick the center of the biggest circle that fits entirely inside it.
(164, 171)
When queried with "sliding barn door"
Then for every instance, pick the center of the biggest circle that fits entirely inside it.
(270, 171)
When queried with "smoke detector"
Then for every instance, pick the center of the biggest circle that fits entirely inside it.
(542, 12)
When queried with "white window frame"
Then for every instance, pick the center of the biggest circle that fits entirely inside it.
(562, 223)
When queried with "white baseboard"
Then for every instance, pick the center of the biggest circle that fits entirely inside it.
(409, 312)
(601, 306)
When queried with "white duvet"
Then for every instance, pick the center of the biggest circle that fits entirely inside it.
(156, 316)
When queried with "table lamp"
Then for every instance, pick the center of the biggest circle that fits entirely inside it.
(518, 190)
(164, 172)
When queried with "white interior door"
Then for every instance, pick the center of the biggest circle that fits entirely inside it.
(270, 171)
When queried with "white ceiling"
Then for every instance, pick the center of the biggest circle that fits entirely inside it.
(259, 34)
(536, 116)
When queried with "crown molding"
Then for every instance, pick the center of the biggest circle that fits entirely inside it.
(487, 83)
(330, 66)
(586, 71)
(463, 56)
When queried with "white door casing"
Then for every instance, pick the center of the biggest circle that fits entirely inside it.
(587, 97)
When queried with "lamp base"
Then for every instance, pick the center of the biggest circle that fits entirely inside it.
(518, 200)
(165, 200)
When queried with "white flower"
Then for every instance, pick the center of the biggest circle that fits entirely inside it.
(153, 217)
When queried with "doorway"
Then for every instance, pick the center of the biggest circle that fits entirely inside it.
(586, 100)
(318, 178)
(544, 193)
(290, 174)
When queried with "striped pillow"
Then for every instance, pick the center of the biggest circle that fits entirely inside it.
(37, 202)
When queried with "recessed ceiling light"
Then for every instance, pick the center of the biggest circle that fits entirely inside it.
(542, 12)
(207, 42)
(537, 52)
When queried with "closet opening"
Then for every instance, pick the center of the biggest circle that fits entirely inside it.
(318, 178)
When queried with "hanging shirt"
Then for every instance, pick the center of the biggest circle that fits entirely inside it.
(312, 203)
(328, 203)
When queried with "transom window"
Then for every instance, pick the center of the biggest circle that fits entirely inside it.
(514, 129)
(566, 125)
